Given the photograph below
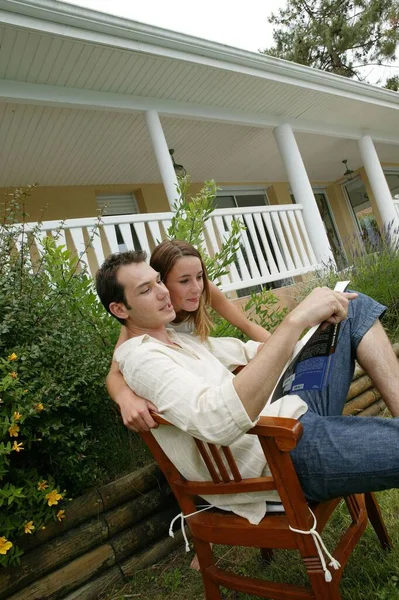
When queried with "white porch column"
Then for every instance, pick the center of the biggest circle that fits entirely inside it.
(162, 155)
(378, 182)
(302, 190)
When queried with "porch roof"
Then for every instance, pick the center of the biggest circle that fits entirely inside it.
(74, 84)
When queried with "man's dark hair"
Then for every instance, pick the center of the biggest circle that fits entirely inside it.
(108, 288)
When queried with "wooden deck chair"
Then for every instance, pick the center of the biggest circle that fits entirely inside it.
(277, 437)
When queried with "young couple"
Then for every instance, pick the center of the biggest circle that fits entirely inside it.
(182, 270)
(190, 379)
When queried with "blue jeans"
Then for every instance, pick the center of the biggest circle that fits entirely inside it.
(341, 455)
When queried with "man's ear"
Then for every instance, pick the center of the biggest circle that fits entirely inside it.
(118, 309)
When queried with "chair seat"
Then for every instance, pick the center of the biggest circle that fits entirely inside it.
(217, 526)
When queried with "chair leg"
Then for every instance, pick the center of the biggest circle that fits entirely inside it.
(267, 555)
(376, 520)
(205, 559)
(322, 589)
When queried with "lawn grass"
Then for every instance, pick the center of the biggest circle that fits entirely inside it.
(371, 573)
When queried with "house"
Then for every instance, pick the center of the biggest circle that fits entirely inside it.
(92, 104)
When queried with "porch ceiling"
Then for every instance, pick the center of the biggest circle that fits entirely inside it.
(60, 146)
(72, 93)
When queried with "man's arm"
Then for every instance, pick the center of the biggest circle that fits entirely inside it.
(234, 315)
(255, 383)
(134, 409)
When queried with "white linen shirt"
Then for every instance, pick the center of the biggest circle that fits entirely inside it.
(192, 386)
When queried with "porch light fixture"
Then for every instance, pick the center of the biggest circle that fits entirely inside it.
(179, 169)
(348, 171)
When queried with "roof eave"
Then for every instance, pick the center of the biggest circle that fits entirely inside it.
(153, 38)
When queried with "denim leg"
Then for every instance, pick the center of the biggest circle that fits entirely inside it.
(362, 314)
(342, 455)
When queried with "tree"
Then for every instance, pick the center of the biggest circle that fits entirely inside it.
(338, 36)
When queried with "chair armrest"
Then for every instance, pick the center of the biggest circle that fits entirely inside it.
(287, 432)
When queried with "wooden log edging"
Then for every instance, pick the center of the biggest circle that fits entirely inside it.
(78, 572)
(363, 399)
(97, 501)
(109, 535)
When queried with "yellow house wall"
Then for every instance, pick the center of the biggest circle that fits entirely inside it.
(59, 203)
(48, 203)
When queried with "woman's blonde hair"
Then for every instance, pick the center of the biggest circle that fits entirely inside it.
(163, 259)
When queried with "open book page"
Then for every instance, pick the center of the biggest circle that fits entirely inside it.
(310, 365)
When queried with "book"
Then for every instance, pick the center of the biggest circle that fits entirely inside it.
(310, 365)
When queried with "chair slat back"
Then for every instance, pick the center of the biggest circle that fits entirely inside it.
(225, 476)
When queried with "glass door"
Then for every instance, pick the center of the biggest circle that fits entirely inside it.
(362, 211)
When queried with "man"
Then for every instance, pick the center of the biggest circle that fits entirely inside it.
(191, 384)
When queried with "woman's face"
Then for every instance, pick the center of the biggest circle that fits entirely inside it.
(185, 282)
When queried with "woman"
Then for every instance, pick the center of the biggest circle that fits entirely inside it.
(183, 272)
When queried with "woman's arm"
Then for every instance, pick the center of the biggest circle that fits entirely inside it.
(229, 311)
(134, 409)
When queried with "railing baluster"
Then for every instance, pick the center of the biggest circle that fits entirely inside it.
(249, 222)
(155, 232)
(241, 261)
(274, 246)
(222, 232)
(289, 240)
(110, 234)
(311, 254)
(299, 242)
(271, 265)
(80, 244)
(270, 230)
(283, 243)
(126, 234)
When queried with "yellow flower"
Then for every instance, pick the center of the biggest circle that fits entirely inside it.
(13, 430)
(17, 416)
(17, 447)
(61, 515)
(13, 374)
(42, 485)
(5, 545)
(53, 497)
(38, 407)
(29, 527)
(12, 356)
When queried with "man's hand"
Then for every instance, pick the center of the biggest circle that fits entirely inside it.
(135, 412)
(322, 305)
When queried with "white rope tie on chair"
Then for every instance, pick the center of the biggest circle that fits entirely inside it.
(320, 548)
(182, 516)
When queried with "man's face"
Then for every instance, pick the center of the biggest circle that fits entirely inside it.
(147, 296)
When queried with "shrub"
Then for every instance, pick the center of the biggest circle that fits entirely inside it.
(374, 271)
(190, 214)
(56, 343)
(260, 307)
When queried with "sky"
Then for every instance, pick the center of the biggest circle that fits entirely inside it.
(241, 25)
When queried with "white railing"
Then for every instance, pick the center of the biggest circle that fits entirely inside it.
(396, 205)
(274, 246)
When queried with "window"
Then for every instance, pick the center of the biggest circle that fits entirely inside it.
(392, 178)
(329, 225)
(117, 204)
(241, 197)
(362, 211)
(120, 204)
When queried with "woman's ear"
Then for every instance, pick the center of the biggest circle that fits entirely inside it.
(118, 309)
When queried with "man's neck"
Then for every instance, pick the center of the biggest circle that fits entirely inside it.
(160, 333)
